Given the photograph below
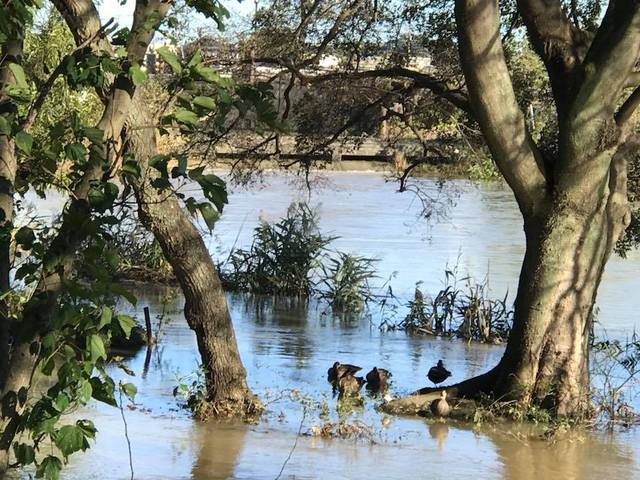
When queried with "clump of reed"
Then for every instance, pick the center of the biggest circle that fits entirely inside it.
(462, 308)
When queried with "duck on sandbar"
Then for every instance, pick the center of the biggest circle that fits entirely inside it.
(440, 407)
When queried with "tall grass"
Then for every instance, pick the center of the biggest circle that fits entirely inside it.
(345, 282)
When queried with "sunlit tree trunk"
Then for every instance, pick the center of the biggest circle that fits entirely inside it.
(205, 305)
(573, 203)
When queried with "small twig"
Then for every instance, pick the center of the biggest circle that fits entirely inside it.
(295, 444)
(126, 432)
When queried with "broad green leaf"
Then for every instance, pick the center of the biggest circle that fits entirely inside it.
(170, 59)
(208, 74)
(103, 391)
(75, 152)
(18, 74)
(131, 168)
(138, 76)
(70, 439)
(205, 102)
(209, 214)
(96, 349)
(129, 390)
(95, 135)
(196, 59)
(25, 454)
(126, 323)
(49, 468)
(61, 402)
(186, 116)
(5, 126)
(85, 390)
(24, 141)
(105, 317)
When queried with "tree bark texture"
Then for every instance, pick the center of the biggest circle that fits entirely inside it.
(205, 305)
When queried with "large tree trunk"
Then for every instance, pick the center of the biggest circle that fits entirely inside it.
(574, 203)
(205, 304)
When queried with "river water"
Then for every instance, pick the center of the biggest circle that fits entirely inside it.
(287, 347)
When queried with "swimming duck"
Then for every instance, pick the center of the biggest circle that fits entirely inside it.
(349, 386)
(377, 378)
(340, 369)
(440, 407)
(438, 374)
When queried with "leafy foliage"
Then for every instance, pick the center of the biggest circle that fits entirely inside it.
(282, 258)
(345, 279)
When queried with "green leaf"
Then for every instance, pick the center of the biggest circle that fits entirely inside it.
(196, 59)
(209, 214)
(103, 391)
(71, 439)
(131, 169)
(18, 74)
(209, 74)
(138, 76)
(170, 59)
(85, 390)
(129, 390)
(5, 126)
(75, 152)
(24, 141)
(95, 135)
(49, 468)
(96, 349)
(105, 317)
(25, 454)
(186, 116)
(126, 323)
(61, 402)
(205, 102)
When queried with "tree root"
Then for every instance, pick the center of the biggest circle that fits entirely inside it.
(462, 395)
(246, 407)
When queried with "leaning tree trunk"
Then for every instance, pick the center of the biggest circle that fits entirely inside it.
(205, 304)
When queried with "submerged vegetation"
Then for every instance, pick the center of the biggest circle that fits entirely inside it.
(465, 311)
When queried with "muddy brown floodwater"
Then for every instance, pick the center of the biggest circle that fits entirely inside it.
(288, 346)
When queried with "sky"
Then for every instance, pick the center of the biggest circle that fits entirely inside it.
(123, 14)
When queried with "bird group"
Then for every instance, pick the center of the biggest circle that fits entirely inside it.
(344, 380)
(342, 377)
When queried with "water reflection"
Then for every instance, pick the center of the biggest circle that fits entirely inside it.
(219, 449)
(280, 352)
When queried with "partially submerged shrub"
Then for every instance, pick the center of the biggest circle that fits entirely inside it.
(282, 258)
(615, 366)
(140, 255)
(346, 282)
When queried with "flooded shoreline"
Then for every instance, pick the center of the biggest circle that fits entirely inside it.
(287, 346)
